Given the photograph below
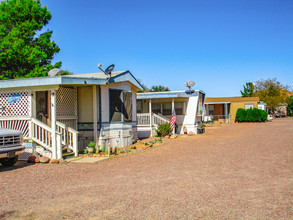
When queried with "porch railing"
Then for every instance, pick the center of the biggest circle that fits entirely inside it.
(69, 136)
(145, 119)
(225, 119)
(41, 133)
(159, 119)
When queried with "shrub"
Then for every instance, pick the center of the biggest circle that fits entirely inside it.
(164, 129)
(251, 115)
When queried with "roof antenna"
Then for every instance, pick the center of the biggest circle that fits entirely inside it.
(107, 71)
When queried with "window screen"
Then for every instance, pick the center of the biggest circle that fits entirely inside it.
(178, 108)
(127, 106)
(115, 105)
(139, 106)
(167, 108)
(120, 106)
(156, 108)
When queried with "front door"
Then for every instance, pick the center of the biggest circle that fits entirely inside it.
(42, 106)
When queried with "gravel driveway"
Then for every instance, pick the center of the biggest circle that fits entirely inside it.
(232, 171)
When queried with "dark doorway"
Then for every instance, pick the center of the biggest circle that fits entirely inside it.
(42, 106)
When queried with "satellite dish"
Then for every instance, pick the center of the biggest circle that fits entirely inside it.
(109, 69)
(189, 84)
(53, 72)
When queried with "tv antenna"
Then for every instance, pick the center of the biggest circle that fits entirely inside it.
(189, 84)
(53, 72)
(107, 71)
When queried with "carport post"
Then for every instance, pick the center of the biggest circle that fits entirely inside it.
(53, 123)
(95, 114)
(150, 112)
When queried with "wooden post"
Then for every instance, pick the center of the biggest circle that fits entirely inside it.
(59, 146)
(53, 123)
(150, 112)
(95, 114)
(75, 144)
(32, 113)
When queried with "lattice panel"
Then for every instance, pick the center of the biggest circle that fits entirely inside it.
(14, 104)
(66, 102)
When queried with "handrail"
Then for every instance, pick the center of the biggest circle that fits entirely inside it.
(41, 133)
(69, 136)
(160, 119)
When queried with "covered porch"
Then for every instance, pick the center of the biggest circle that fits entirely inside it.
(63, 114)
(157, 107)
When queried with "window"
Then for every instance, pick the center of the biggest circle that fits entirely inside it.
(179, 108)
(248, 106)
(156, 108)
(167, 108)
(120, 106)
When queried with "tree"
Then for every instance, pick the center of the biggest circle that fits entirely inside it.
(24, 51)
(248, 90)
(159, 88)
(270, 92)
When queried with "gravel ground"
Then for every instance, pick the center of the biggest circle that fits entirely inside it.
(241, 171)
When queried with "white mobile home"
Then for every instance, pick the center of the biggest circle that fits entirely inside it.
(70, 111)
(157, 107)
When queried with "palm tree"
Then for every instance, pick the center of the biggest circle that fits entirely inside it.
(159, 88)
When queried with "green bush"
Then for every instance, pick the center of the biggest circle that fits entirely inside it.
(251, 115)
(164, 129)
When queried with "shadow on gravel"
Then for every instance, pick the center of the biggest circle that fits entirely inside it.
(18, 165)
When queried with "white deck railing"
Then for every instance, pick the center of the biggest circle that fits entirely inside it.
(145, 119)
(69, 137)
(157, 119)
(41, 133)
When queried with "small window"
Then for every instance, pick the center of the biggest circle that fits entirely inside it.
(248, 106)
(167, 108)
(156, 108)
(178, 108)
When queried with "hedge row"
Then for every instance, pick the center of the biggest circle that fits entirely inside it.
(251, 115)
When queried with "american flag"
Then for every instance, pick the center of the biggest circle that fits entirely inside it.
(173, 120)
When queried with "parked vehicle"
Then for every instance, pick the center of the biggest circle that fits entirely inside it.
(10, 146)
(280, 114)
(270, 117)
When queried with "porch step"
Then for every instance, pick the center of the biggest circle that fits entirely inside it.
(68, 155)
(40, 150)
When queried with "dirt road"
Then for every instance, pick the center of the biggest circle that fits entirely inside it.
(233, 171)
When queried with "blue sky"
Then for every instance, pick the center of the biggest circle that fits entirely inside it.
(218, 44)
